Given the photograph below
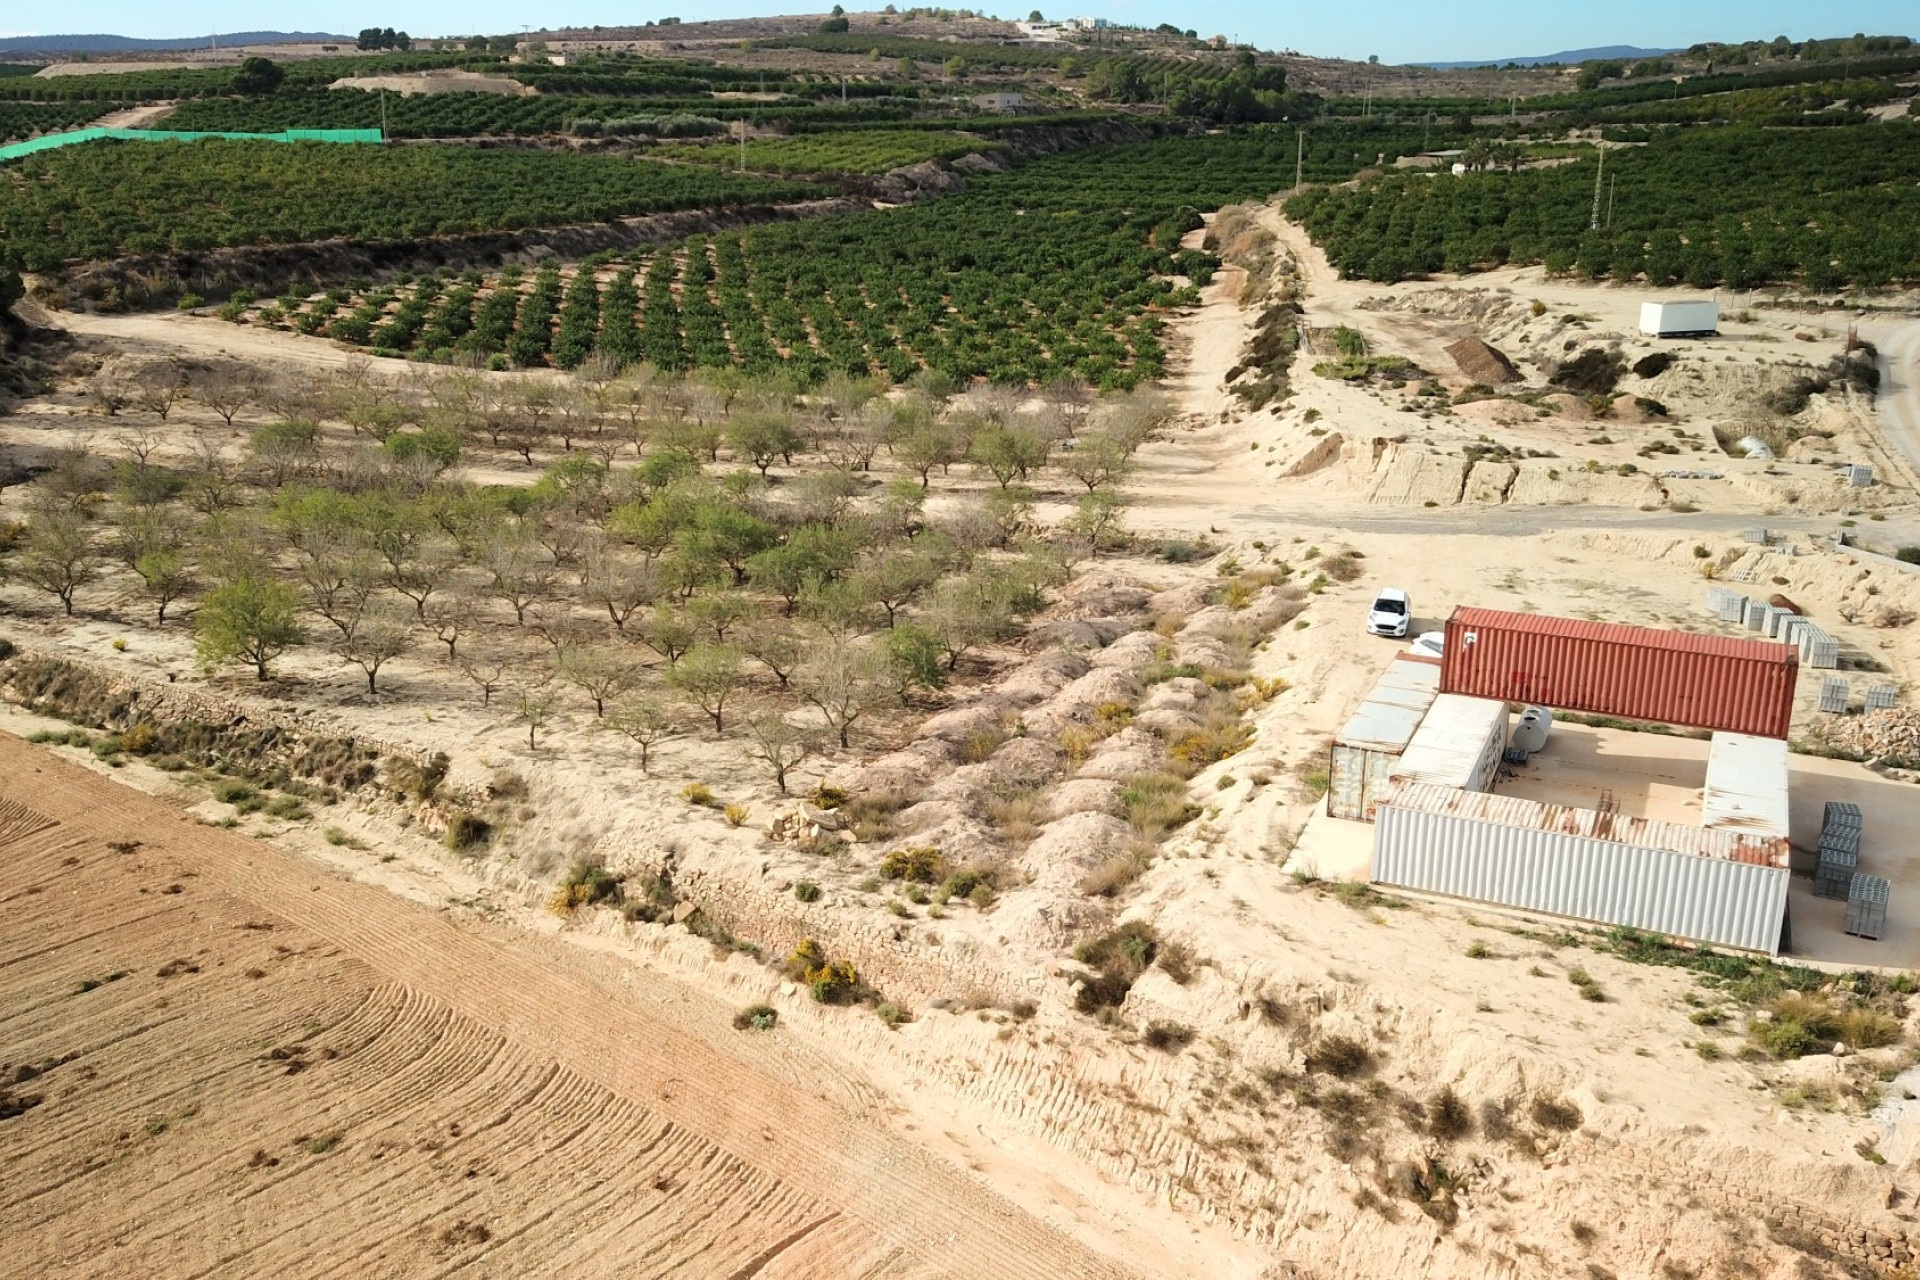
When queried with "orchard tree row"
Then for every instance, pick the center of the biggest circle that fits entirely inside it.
(111, 198)
(1708, 206)
(712, 554)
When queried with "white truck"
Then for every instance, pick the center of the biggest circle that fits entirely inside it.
(1679, 319)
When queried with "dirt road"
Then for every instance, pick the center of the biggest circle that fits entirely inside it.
(246, 1066)
(1897, 403)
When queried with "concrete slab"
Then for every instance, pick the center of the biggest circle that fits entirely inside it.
(1333, 848)
(1649, 775)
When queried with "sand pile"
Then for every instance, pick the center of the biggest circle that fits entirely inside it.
(1482, 363)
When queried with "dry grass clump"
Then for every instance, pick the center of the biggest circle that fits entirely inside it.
(1223, 736)
(1343, 566)
(1556, 1114)
(1019, 816)
(1118, 870)
(1156, 804)
(1177, 961)
(981, 743)
(1448, 1117)
(1801, 1024)
(869, 818)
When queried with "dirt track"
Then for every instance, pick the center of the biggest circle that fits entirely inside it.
(330, 1081)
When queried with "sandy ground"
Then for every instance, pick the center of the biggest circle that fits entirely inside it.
(511, 1109)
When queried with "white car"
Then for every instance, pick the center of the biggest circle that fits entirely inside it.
(1390, 613)
(1429, 644)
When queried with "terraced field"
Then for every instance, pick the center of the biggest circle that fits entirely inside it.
(216, 1060)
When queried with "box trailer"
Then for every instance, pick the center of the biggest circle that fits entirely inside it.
(1680, 319)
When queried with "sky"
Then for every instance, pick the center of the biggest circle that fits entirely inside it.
(1395, 30)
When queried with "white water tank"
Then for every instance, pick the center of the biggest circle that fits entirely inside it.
(1530, 735)
(1679, 319)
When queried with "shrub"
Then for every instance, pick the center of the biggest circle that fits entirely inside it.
(1448, 1118)
(1176, 960)
(829, 981)
(1803, 1024)
(288, 808)
(807, 891)
(1118, 958)
(921, 865)
(1168, 1037)
(736, 814)
(1908, 555)
(1556, 1114)
(826, 797)
(1478, 951)
(890, 1013)
(1701, 552)
(699, 793)
(234, 792)
(587, 884)
(1339, 1056)
(756, 1017)
(467, 830)
(968, 883)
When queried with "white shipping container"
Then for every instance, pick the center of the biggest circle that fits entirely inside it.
(1679, 319)
(1458, 744)
(1367, 748)
(1711, 900)
(1746, 787)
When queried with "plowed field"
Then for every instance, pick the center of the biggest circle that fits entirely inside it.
(217, 1060)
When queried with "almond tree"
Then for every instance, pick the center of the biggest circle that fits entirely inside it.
(646, 722)
(58, 555)
(779, 742)
(710, 675)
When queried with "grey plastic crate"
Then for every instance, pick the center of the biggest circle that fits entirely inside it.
(1841, 814)
(1838, 842)
(1835, 694)
(1880, 696)
(1775, 620)
(1859, 475)
(1831, 878)
(1867, 906)
(1756, 618)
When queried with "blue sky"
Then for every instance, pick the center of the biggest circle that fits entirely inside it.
(1396, 30)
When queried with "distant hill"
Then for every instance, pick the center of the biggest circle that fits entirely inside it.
(128, 44)
(1566, 57)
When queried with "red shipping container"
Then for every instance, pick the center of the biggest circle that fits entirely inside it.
(1670, 677)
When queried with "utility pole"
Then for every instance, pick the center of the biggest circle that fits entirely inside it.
(1613, 187)
(1299, 155)
(1597, 175)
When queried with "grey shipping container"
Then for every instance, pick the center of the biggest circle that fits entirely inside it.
(1712, 900)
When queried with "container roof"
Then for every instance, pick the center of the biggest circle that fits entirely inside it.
(1512, 811)
(1386, 721)
(1620, 633)
(1746, 787)
(1452, 739)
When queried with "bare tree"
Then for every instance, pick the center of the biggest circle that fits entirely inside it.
(519, 573)
(378, 637)
(214, 485)
(449, 618)
(487, 668)
(140, 444)
(58, 555)
(619, 584)
(157, 388)
(601, 672)
(646, 722)
(108, 395)
(845, 683)
(534, 705)
(228, 388)
(779, 742)
(669, 633)
(710, 675)
(775, 645)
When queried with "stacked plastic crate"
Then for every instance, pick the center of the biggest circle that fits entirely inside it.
(1839, 850)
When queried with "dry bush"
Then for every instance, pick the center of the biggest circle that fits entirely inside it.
(1802, 1024)
(1556, 1114)
(920, 865)
(1177, 961)
(1168, 1037)
(1342, 1057)
(1344, 566)
(869, 818)
(978, 745)
(1118, 870)
(1118, 958)
(1019, 816)
(1448, 1117)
